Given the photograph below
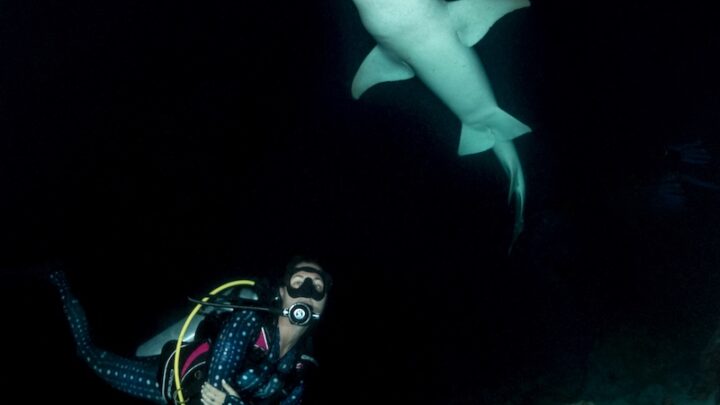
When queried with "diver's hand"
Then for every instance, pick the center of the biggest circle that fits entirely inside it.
(229, 389)
(214, 396)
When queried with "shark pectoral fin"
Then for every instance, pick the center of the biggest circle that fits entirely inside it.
(473, 18)
(497, 125)
(378, 67)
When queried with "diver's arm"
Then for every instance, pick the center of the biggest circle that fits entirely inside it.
(295, 397)
(229, 350)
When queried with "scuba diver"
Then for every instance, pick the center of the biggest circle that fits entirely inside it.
(238, 354)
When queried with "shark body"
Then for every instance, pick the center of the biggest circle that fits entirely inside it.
(432, 40)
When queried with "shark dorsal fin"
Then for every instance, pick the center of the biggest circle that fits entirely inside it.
(473, 18)
(378, 67)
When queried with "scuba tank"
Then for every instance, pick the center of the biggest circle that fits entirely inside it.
(247, 294)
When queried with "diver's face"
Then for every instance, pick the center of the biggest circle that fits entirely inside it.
(307, 287)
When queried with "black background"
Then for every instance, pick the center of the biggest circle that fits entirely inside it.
(157, 149)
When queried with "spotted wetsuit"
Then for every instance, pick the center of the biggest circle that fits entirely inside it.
(256, 381)
(137, 376)
(245, 354)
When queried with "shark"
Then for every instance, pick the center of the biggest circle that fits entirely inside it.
(432, 40)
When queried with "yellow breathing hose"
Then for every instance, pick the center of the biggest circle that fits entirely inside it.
(180, 398)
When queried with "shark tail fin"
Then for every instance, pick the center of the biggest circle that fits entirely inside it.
(378, 67)
(509, 160)
(496, 131)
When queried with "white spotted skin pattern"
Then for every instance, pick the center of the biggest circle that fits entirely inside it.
(227, 362)
(134, 376)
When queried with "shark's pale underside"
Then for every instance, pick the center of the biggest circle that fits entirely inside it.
(432, 40)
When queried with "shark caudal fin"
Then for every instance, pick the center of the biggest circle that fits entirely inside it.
(509, 160)
(496, 132)
(378, 67)
(474, 18)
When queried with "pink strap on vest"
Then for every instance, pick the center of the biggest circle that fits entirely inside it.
(262, 341)
(203, 348)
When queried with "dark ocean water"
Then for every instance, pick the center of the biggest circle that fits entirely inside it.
(156, 149)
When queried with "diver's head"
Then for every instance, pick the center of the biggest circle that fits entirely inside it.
(305, 282)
